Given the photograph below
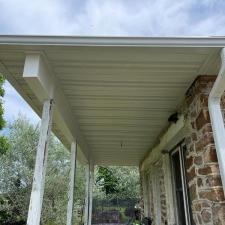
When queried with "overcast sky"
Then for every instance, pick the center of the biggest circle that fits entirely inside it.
(108, 18)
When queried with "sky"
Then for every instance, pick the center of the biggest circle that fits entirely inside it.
(105, 18)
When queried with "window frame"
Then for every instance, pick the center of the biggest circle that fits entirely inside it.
(180, 148)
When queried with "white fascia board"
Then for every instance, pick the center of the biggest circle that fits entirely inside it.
(44, 85)
(113, 41)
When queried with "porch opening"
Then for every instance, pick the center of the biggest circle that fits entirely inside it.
(116, 196)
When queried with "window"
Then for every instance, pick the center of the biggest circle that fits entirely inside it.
(180, 186)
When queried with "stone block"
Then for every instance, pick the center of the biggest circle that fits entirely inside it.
(213, 181)
(218, 213)
(210, 155)
(191, 174)
(198, 160)
(202, 119)
(206, 216)
(193, 192)
(215, 195)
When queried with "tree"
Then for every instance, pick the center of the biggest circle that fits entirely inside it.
(118, 181)
(129, 181)
(106, 180)
(16, 172)
(4, 145)
(56, 185)
(16, 168)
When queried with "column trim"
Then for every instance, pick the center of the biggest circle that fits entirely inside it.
(36, 199)
(70, 205)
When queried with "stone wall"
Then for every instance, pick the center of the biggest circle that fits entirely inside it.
(203, 176)
(163, 204)
(154, 181)
(150, 195)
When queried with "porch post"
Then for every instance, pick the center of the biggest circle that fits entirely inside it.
(70, 204)
(145, 193)
(91, 193)
(36, 199)
(168, 189)
(86, 210)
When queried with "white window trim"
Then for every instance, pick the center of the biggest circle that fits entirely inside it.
(184, 185)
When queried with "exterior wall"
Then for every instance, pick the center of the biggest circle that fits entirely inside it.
(150, 188)
(153, 182)
(163, 205)
(203, 176)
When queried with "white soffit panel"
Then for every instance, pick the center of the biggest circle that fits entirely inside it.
(121, 90)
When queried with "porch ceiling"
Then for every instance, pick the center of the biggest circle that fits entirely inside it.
(120, 90)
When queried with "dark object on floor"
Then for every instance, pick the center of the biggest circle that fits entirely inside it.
(146, 221)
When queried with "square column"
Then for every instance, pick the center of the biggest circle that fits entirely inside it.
(91, 182)
(89, 191)
(87, 186)
(36, 199)
(70, 205)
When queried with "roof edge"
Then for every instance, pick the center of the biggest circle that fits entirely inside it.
(112, 41)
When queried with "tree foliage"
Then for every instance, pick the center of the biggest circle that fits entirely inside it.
(4, 145)
(118, 182)
(107, 181)
(16, 168)
(16, 172)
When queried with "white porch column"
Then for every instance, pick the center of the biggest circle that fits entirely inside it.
(91, 182)
(168, 189)
(86, 209)
(36, 199)
(145, 192)
(71, 184)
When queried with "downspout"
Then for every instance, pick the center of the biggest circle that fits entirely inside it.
(217, 117)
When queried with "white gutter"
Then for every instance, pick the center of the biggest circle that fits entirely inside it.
(28, 40)
(217, 117)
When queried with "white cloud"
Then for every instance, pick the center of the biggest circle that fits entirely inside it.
(15, 105)
(113, 17)
(41, 17)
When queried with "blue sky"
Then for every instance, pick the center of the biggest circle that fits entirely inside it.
(107, 18)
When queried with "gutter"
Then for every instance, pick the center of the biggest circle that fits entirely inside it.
(216, 116)
(38, 40)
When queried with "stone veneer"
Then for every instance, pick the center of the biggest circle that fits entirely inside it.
(203, 176)
(155, 172)
(162, 194)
